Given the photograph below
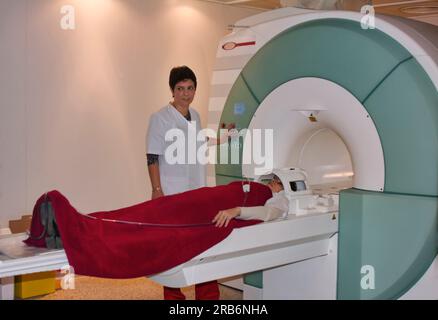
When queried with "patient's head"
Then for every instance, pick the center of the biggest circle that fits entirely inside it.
(275, 184)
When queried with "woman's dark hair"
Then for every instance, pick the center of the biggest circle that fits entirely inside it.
(182, 73)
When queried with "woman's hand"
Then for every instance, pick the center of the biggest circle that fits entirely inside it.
(223, 218)
(157, 194)
(228, 126)
(231, 126)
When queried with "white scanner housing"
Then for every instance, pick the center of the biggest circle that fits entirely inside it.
(302, 199)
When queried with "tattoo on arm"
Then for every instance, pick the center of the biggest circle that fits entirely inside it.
(152, 158)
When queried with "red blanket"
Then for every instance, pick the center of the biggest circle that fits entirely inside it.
(101, 248)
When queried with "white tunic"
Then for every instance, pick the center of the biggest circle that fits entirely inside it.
(276, 207)
(176, 177)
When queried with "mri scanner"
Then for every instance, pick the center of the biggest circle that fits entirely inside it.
(357, 110)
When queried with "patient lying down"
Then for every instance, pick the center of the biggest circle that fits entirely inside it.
(152, 236)
(276, 207)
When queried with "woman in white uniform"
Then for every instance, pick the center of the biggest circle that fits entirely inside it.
(168, 177)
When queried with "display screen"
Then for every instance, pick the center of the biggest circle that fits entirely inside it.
(299, 185)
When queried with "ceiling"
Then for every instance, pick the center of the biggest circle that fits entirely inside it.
(424, 10)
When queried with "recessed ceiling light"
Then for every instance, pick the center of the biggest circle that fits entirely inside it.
(428, 9)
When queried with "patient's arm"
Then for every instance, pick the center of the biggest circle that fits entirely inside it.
(264, 213)
(223, 217)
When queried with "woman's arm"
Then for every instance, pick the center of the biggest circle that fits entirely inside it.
(154, 176)
(224, 137)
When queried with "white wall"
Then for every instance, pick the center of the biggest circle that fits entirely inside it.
(74, 105)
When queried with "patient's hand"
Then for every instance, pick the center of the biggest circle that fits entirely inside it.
(223, 218)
